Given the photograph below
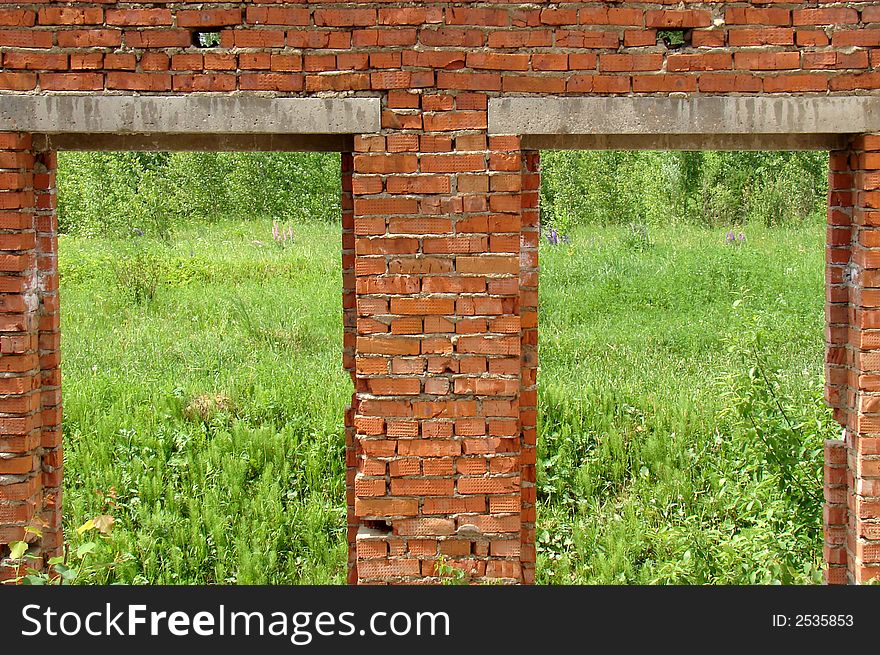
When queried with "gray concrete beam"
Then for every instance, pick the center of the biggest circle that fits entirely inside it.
(684, 141)
(197, 142)
(691, 117)
(187, 114)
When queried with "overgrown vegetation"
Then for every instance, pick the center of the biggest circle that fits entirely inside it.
(681, 420)
(710, 189)
(132, 194)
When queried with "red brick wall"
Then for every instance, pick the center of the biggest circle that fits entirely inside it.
(440, 232)
(30, 417)
(566, 47)
(852, 470)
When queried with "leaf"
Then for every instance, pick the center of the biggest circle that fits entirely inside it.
(104, 523)
(85, 527)
(17, 549)
(85, 549)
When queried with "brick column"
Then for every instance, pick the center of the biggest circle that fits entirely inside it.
(30, 459)
(852, 471)
(838, 357)
(531, 185)
(349, 335)
(437, 259)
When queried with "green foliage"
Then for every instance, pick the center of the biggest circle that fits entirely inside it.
(672, 38)
(449, 574)
(636, 238)
(88, 562)
(222, 435)
(137, 273)
(700, 188)
(121, 194)
(672, 447)
(203, 383)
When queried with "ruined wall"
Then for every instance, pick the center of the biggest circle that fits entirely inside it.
(440, 232)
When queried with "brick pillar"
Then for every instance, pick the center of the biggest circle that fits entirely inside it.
(528, 311)
(838, 358)
(437, 260)
(349, 335)
(852, 471)
(30, 457)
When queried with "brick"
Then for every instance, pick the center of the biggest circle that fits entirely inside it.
(208, 17)
(17, 17)
(699, 62)
(35, 61)
(825, 16)
(18, 81)
(71, 81)
(386, 507)
(25, 39)
(277, 16)
(156, 38)
(139, 81)
(440, 231)
(141, 17)
(766, 60)
(760, 37)
(672, 19)
(345, 17)
(757, 16)
(532, 84)
(498, 61)
(422, 487)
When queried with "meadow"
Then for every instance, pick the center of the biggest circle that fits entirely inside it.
(680, 410)
(680, 427)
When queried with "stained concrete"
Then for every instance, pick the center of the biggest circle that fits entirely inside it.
(197, 142)
(191, 114)
(735, 142)
(732, 122)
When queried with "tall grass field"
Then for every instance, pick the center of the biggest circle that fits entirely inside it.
(680, 428)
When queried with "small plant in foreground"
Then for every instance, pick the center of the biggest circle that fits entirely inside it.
(87, 563)
(450, 575)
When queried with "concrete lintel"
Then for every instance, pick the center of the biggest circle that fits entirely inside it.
(698, 115)
(197, 142)
(187, 114)
(684, 141)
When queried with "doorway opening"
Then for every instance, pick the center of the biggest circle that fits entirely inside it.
(681, 412)
(204, 400)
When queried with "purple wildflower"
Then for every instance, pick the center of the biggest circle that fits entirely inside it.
(734, 238)
(280, 234)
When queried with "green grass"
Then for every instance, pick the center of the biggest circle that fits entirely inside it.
(215, 409)
(650, 470)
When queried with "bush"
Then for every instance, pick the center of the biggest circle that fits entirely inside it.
(699, 188)
(120, 194)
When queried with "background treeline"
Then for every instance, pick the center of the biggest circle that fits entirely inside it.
(113, 194)
(120, 194)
